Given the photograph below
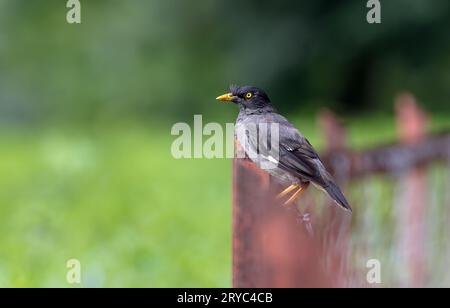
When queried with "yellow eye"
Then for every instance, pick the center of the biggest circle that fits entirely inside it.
(249, 95)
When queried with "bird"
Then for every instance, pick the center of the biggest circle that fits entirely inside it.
(298, 164)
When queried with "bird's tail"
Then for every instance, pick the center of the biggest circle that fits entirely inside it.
(336, 194)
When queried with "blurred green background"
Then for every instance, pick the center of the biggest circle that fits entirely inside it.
(86, 110)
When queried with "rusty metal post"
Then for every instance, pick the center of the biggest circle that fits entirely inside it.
(411, 125)
(272, 246)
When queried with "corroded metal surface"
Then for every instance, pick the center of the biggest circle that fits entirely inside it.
(271, 244)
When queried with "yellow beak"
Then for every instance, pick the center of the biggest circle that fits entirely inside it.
(226, 97)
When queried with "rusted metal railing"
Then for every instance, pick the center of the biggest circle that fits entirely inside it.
(274, 246)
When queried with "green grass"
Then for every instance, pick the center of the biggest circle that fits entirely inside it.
(119, 203)
(114, 198)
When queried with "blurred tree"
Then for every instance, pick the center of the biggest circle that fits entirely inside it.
(170, 58)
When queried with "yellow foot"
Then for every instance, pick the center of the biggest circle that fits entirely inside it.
(294, 197)
(287, 190)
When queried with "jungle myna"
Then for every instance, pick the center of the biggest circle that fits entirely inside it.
(297, 164)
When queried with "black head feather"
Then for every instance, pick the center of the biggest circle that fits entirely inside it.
(249, 97)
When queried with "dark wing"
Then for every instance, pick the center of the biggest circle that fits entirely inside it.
(298, 157)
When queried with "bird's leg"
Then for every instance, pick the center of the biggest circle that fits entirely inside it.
(294, 197)
(287, 190)
(297, 194)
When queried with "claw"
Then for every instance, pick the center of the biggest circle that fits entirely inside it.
(294, 197)
(287, 190)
